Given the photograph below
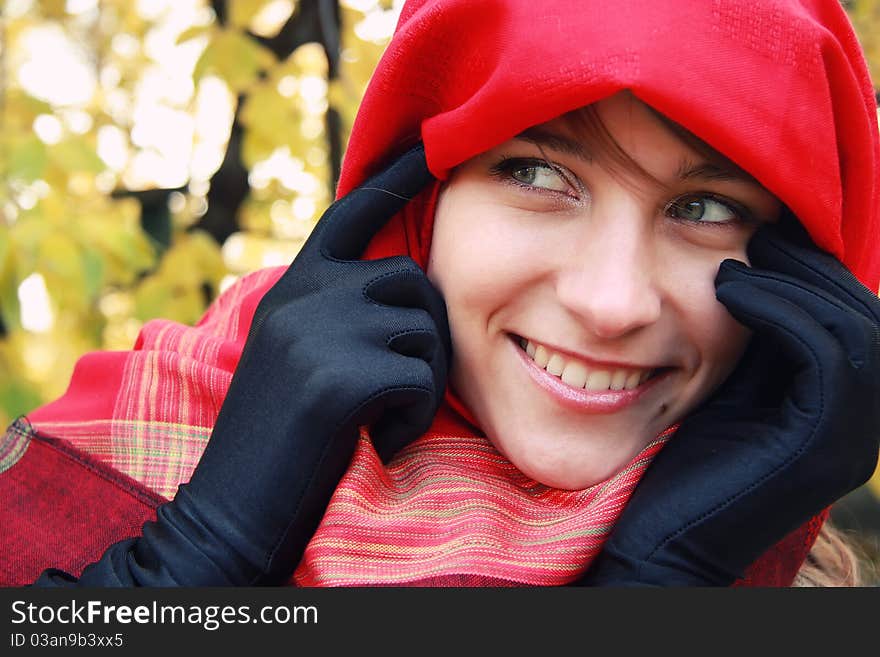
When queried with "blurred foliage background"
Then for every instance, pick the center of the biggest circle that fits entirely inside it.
(152, 151)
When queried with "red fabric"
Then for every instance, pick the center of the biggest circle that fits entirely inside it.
(62, 508)
(779, 86)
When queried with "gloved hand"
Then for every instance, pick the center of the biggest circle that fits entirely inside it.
(335, 344)
(794, 428)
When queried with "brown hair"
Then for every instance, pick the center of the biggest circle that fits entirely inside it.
(586, 121)
(835, 560)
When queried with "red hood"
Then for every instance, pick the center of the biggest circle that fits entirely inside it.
(780, 87)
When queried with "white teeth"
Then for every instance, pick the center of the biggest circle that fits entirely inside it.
(542, 357)
(575, 374)
(598, 380)
(556, 364)
(618, 380)
(579, 375)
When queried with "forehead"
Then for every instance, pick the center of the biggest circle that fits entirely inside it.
(627, 136)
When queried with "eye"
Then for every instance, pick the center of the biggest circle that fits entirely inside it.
(703, 208)
(529, 172)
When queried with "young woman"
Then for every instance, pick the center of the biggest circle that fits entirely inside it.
(595, 306)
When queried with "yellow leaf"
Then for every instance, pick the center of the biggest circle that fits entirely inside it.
(21, 110)
(254, 215)
(53, 8)
(125, 250)
(310, 59)
(76, 154)
(26, 235)
(207, 255)
(61, 265)
(235, 57)
(255, 147)
(271, 121)
(9, 280)
(176, 290)
(242, 12)
(193, 33)
(17, 395)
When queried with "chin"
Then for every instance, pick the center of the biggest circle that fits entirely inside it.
(579, 481)
(559, 466)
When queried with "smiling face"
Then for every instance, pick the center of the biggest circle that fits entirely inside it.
(578, 276)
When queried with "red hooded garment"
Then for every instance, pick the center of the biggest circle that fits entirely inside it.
(778, 86)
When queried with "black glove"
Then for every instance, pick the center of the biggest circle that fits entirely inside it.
(336, 344)
(794, 428)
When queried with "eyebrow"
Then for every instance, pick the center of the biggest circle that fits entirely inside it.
(713, 171)
(556, 142)
(687, 170)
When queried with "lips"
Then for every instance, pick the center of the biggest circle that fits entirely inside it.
(586, 387)
(580, 374)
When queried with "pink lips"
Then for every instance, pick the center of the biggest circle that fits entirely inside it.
(585, 401)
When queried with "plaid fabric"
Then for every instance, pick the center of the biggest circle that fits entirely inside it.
(158, 402)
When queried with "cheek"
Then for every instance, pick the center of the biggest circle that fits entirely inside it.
(716, 337)
(476, 260)
(723, 342)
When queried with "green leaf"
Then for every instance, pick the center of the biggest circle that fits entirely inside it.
(75, 154)
(27, 158)
(17, 397)
(93, 272)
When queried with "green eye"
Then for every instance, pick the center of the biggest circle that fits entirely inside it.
(539, 175)
(532, 173)
(704, 209)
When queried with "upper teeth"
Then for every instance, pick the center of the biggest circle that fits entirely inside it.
(578, 374)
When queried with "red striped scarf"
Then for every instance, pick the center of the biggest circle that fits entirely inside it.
(451, 506)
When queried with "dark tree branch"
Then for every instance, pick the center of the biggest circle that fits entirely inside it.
(313, 21)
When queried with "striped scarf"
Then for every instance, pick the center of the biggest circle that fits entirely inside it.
(450, 506)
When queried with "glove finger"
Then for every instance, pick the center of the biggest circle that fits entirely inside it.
(401, 411)
(787, 248)
(820, 372)
(399, 281)
(346, 228)
(818, 309)
(422, 339)
(425, 346)
(407, 286)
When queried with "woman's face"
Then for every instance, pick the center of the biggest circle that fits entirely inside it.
(580, 291)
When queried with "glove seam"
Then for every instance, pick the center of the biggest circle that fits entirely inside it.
(822, 296)
(380, 277)
(865, 307)
(770, 475)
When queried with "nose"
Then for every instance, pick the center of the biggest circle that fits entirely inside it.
(609, 277)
